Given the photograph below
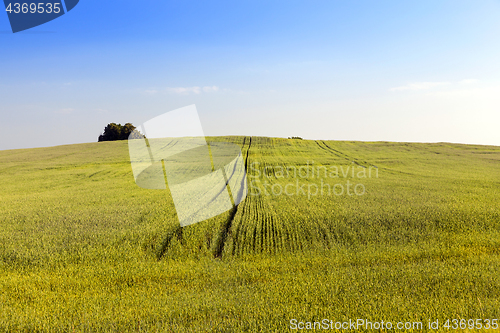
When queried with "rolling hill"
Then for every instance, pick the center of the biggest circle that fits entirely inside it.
(329, 230)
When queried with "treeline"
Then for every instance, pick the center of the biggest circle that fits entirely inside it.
(114, 132)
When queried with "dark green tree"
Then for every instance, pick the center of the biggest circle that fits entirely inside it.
(113, 132)
(127, 129)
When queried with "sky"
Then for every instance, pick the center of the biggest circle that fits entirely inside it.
(411, 71)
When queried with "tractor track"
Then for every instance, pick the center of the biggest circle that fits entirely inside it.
(340, 154)
(226, 227)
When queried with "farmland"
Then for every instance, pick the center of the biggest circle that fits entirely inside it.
(414, 237)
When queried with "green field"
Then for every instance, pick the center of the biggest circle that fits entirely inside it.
(84, 249)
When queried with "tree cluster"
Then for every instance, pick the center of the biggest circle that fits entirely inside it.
(114, 132)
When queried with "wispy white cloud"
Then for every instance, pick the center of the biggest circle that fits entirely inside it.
(184, 90)
(192, 90)
(420, 86)
(211, 89)
(150, 92)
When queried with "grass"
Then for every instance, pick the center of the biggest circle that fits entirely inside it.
(83, 248)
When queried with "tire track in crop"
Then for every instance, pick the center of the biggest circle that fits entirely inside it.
(331, 152)
(177, 232)
(352, 159)
(219, 244)
(245, 241)
(255, 225)
(264, 231)
(338, 153)
(221, 240)
(226, 227)
(248, 150)
(258, 230)
(238, 230)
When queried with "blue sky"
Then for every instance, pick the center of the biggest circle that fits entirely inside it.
(425, 71)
